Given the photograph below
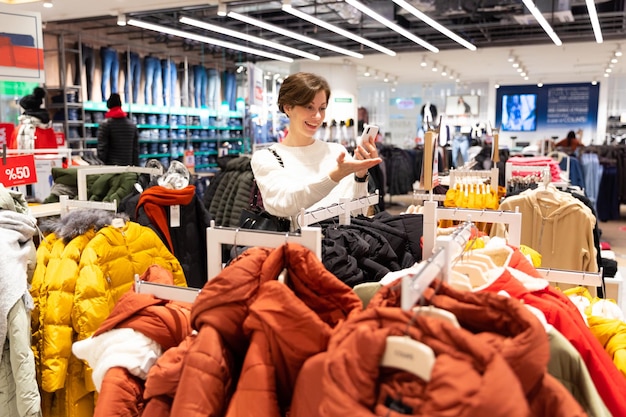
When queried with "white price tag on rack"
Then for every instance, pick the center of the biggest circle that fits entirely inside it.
(175, 216)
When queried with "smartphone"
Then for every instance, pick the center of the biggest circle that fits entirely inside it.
(369, 131)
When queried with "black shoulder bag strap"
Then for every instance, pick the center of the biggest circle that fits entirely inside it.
(255, 196)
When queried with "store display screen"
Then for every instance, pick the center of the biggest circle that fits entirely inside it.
(519, 112)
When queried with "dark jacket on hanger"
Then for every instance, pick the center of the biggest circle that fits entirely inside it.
(230, 194)
(403, 232)
(372, 252)
(180, 219)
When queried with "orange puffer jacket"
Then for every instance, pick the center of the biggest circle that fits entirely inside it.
(248, 320)
(165, 322)
(467, 380)
(509, 327)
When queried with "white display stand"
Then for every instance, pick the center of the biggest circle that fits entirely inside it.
(216, 236)
(83, 171)
(166, 292)
(45, 160)
(342, 210)
(461, 175)
(615, 288)
(432, 214)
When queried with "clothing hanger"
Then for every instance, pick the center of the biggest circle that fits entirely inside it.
(479, 258)
(166, 292)
(407, 354)
(439, 313)
(473, 272)
(403, 352)
(460, 281)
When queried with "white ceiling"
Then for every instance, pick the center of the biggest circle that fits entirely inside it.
(547, 63)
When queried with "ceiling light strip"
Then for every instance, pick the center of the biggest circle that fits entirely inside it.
(245, 36)
(371, 13)
(595, 23)
(284, 32)
(435, 25)
(542, 21)
(204, 39)
(295, 12)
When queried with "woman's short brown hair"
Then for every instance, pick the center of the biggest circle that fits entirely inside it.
(299, 89)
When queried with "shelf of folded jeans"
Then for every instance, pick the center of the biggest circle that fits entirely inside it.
(205, 153)
(213, 139)
(146, 126)
(155, 155)
(69, 105)
(156, 140)
(96, 106)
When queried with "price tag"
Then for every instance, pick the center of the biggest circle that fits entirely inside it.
(175, 216)
(19, 170)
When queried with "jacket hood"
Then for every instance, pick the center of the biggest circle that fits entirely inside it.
(12, 200)
(511, 330)
(225, 300)
(165, 322)
(550, 208)
(503, 322)
(23, 224)
(77, 222)
(466, 380)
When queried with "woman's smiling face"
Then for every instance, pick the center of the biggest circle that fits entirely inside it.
(305, 120)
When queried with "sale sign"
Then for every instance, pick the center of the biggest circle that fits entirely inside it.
(18, 170)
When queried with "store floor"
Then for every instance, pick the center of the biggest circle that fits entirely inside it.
(613, 232)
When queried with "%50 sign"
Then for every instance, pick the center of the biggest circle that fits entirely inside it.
(18, 170)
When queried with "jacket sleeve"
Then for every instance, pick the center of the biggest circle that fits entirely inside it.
(121, 394)
(104, 135)
(205, 385)
(136, 147)
(37, 291)
(57, 333)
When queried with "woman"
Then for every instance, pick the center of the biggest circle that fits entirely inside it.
(570, 143)
(315, 173)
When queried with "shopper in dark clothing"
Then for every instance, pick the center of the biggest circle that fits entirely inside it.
(118, 138)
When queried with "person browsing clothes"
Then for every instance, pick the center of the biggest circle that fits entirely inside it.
(118, 138)
(315, 173)
(570, 143)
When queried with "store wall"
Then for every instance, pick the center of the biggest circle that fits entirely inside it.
(397, 109)
(398, 112)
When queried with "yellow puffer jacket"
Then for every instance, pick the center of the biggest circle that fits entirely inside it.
(43, 257)
(83, 280)
(602, 319)
(612, 335)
